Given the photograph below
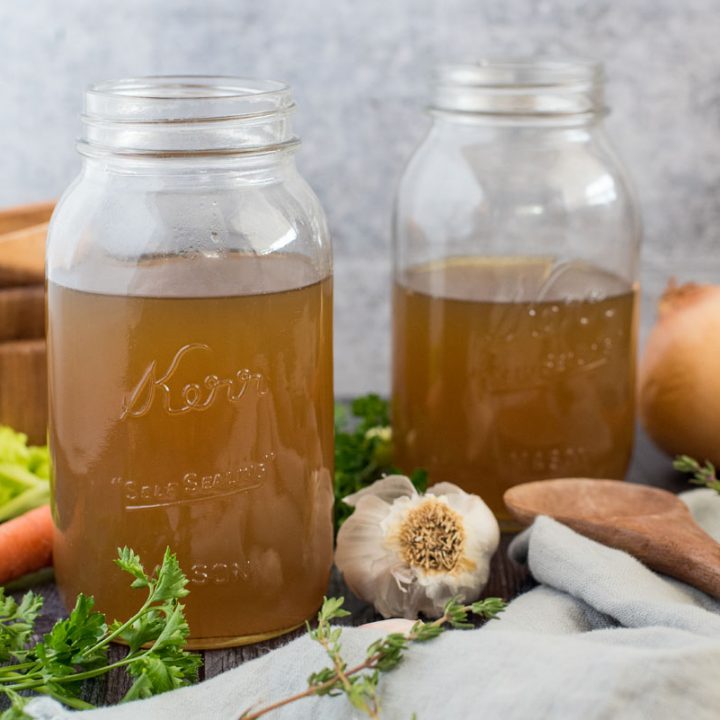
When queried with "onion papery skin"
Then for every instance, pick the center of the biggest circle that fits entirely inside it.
(679, 373)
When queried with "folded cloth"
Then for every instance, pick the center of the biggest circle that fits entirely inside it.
(601, 637)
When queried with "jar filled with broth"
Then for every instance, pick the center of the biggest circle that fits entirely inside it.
(516, 242)
(190, 356)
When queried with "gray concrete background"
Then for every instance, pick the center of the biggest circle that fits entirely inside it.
(359, 73)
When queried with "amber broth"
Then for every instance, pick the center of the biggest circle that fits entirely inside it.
(491, 389)
(202, 423)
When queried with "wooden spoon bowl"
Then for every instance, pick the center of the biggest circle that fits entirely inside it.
(652, 524)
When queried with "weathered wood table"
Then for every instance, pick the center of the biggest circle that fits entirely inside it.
(507, 580)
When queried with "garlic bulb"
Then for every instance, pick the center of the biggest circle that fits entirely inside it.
(408, 553)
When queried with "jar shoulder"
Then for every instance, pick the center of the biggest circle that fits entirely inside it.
(106, 219)
(513, 169)
(560, 195)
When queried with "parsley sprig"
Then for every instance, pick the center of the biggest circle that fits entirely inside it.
(76, 648)
(363, 450)
(360, 683)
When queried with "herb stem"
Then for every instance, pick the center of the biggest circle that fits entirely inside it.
(87, 675)
(454, 615)
(107, 639)
(16, 667)
(313, 690)
(75, 703)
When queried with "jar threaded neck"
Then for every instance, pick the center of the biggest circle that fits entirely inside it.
(187, 115)
(520, 88)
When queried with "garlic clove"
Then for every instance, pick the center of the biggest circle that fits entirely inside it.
(391, 625)
(388, 489)
(444, 488)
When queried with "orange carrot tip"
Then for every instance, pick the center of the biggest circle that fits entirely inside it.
(25, 544)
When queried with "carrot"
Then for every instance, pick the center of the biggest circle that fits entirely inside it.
(25, 543)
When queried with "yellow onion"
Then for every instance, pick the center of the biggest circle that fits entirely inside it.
(679, 378)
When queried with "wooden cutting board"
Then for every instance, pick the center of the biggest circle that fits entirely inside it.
(23, 388)
(23, 373)
(22, 256)
(22, 313)
(24, 216)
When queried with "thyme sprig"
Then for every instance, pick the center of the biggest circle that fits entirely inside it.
(705, 475)
(360, 682)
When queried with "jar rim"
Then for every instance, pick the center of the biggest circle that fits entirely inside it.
(523, 86)
(520, 72)
(214, 85)
(172, 98)
(186, 115)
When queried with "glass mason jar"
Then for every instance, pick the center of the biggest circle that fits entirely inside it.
(190, 356)
(516, 243)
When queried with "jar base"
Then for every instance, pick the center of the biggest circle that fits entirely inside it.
(217, 643)
(508, 526)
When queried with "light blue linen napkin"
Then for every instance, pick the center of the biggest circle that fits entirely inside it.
(601, 638)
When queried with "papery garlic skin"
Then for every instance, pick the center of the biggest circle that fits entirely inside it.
(408, 553)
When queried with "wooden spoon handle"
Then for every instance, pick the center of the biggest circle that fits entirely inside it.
(670, 543)
(681, 549)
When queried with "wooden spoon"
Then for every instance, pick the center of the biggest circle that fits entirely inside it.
(651, 524)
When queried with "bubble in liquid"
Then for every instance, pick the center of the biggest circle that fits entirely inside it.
(584, 321)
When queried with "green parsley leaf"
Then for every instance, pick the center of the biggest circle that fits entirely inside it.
(129, 561)
(76, 648)
(16, 624)
(363, 450)
(171, 580)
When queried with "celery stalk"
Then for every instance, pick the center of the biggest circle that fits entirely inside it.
(28, 500)
(24, 474)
